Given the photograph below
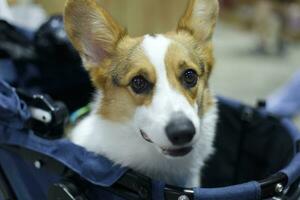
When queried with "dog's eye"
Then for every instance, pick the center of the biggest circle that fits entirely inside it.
(190, 78)
(140, 85)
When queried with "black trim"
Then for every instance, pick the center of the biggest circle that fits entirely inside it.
(247, 114)
(65, 191)
(268, 186)
(133, 185)
(293, 192)
(5, 188)
(261, 104)
(298, 146)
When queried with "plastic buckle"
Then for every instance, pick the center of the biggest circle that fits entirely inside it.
(48, 117)
(273, 186)
(175, 193)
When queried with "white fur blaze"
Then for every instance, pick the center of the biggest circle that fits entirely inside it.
(166, 99)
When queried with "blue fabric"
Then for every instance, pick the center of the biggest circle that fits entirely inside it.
(13, 111)
(281, 109)
(293, 170)
(24, 179)
(292, 129)
(94, 168)
(158, 190)
(1, 196)
(7, 70)
(247, 191)
(31, 183)
(28, 182)
(286, 102)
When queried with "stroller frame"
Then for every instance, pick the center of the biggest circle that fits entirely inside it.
(283, 185)
(132, 185)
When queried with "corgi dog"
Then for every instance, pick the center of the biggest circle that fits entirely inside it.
(153, 111)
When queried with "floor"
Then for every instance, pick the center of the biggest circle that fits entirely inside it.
(243, 75)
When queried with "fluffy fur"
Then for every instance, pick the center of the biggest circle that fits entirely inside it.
(114, 127)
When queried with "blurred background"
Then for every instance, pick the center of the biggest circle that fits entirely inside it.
(257, 45)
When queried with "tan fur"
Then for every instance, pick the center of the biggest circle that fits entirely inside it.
(200, 23)
(119, 101)
(206, 101)
(94, 34)
(186, 53)
(178, 60)
(113, 58)
(91, 29)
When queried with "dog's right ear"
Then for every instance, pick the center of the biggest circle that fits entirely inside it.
(92, 31)
(200, 19)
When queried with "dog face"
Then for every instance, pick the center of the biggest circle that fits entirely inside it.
(156, 83)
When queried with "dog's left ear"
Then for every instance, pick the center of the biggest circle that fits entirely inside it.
(200, 19)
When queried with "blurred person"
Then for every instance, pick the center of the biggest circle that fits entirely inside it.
(5, 12)
(268, 26)
(23, 13)
(227, 3)
(293, 18)
(286, 101)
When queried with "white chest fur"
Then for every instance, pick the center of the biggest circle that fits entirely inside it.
(123, 144)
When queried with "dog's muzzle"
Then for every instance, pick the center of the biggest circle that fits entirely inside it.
(173, 152)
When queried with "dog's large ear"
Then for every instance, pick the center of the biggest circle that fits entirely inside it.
(200, 18)
(92, 31)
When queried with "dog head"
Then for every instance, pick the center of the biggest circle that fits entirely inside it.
(156, 83)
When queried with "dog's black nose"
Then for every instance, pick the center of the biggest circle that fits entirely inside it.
(180, 130)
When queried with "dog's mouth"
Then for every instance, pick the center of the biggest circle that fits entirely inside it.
(146, 137)
(177, 152)
(173, 152)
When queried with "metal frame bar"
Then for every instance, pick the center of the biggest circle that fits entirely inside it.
(136, 186)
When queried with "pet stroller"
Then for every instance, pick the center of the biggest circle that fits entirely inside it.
(257, 157)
